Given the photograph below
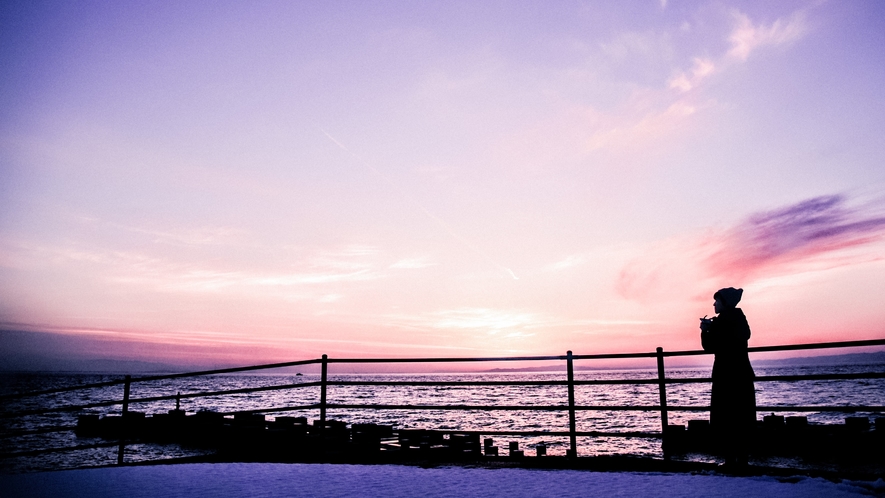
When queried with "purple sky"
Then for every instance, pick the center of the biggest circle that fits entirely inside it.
(264, 181)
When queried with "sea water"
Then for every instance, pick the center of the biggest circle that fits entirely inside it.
(868, 392)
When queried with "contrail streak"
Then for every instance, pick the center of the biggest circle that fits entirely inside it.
(415, 203)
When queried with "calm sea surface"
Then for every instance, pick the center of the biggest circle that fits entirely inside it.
(869, 392)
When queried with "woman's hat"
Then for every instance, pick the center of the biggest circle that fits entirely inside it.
(729, 295)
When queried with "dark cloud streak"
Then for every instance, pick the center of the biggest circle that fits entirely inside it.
(776, 242)
(803, 230)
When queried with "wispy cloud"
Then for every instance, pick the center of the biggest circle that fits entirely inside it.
(809, 228)
(175, 278)
(651, 128)
(472, 321)
(162, 272)
(653, 116)
(748, 37)
(660, 112)
(569, 262)
(413, 263)
(506, 322)
(178, 278)
(353, 257)
(810, 234)
(685, 81)
(180, 338)
(648, 45)
(311, 278)
(744, 38)
(483, 318)
(188, 236)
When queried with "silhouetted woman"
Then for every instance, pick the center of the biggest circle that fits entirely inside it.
(733, 398)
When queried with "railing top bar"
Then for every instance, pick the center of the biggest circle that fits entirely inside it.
(763, 349)
(610, 356)
(445, 360)
(758, 349)
(265, 366)
(819, 345)
(63, 389)
(159, 377)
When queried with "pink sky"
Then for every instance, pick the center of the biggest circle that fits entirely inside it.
(214, 182)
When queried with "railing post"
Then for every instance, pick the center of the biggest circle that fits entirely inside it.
(662, 390)
(124, 422)
(573, 440)
(325, 369)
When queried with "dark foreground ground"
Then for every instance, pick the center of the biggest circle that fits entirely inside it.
(268, 480)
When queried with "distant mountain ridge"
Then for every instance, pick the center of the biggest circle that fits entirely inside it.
(98, 365)
(815, 361)
(874, 358)
(23, 351)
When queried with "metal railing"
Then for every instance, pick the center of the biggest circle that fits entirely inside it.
(323, 405)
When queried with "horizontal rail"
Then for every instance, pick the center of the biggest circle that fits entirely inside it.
(791, 347)
(609, 356)
(57, 390)
(769, 378)
(651, 435)
(59, 409)
(835, 409)
(218, 371)
(447, 360)
(673, 380)
(151, 378)
(57, 450)
(42, 430)
(517, 408)
(453, 383)
(291, 408)
(313, 406)
(150, 399)
(818, 345)
(209, 394)
(450, 407)
(793, 378)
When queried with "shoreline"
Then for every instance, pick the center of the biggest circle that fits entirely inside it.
(600, 464)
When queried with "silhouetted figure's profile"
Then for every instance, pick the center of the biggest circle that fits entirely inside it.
(733, 397)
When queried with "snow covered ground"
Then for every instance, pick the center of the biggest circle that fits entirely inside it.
(390, 481)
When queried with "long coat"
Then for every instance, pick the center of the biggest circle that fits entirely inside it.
(733, 397)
